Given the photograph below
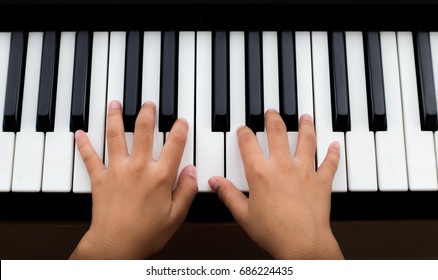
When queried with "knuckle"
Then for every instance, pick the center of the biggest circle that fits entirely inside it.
(87, 157)
(162, 175)
(308, 138)
(325, 180)
(276, 125)
(145, 123)
(257, 171)
(333, 157)
(285, 165)
(96, 182)
(307, 173)
(332, 162)
(137, 169)
(179, 137)
(223, 193)
(330, 166)
(244, 135)
(113, 132)
(192, 189)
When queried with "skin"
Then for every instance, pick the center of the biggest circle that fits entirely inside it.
(137, 209)
(288, 210)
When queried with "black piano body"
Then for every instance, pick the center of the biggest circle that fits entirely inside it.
(218, 14)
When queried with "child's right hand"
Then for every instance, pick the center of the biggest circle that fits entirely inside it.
(288, 210)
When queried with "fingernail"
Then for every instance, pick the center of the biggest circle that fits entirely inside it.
(191, 171)
(306, 117)
(271, 110)
(336, 145)
(183, 119)
(148, 103)
(214, 184)
(114, 104)
(79, 134)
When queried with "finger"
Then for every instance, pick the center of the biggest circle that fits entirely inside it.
(233, 198)
(144, 132)
(173, 149)
(306, 145)
(90, 158)
(277, 135)
(116, 133)
(329, 166)
(249, 146)
(184, 193)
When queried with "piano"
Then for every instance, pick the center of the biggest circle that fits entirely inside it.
(366, 70)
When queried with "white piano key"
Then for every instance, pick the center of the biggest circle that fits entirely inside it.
(271, 94)
(390, 144)
(186, 92)
(303, 50)
(28, 163)
(303, 55)
(151, 81)
(209, 145)
(360, 147)
(116, 74)
(7, 139)
(129, 138)
(59, 148)
(29, 146)
(262, 139)
(96, 126)
(234, 166)
(58, 162)
(420, 150)
(292, 139)
(7, 144)
(323, 116)
(98, 86)
(434, 51)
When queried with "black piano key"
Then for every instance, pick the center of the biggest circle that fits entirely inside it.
(221, 83)
(15, 81)
(48, 81)
(339, 82)
(287, 80)
(254, 81)
(132, 95)
(425, 81)
(81, 82)
(168, 81)
(374, 81)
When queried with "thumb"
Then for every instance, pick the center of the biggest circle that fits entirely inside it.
(233, 198)
(91, 160)
(184, 192)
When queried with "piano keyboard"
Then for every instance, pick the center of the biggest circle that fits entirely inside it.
(373, 92)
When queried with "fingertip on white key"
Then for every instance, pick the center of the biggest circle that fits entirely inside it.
(79, 135)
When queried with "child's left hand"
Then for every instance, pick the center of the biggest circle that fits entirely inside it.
(135, 208)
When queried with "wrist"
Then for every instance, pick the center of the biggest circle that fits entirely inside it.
(324, 247)
(86, 249)
(94, 245)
